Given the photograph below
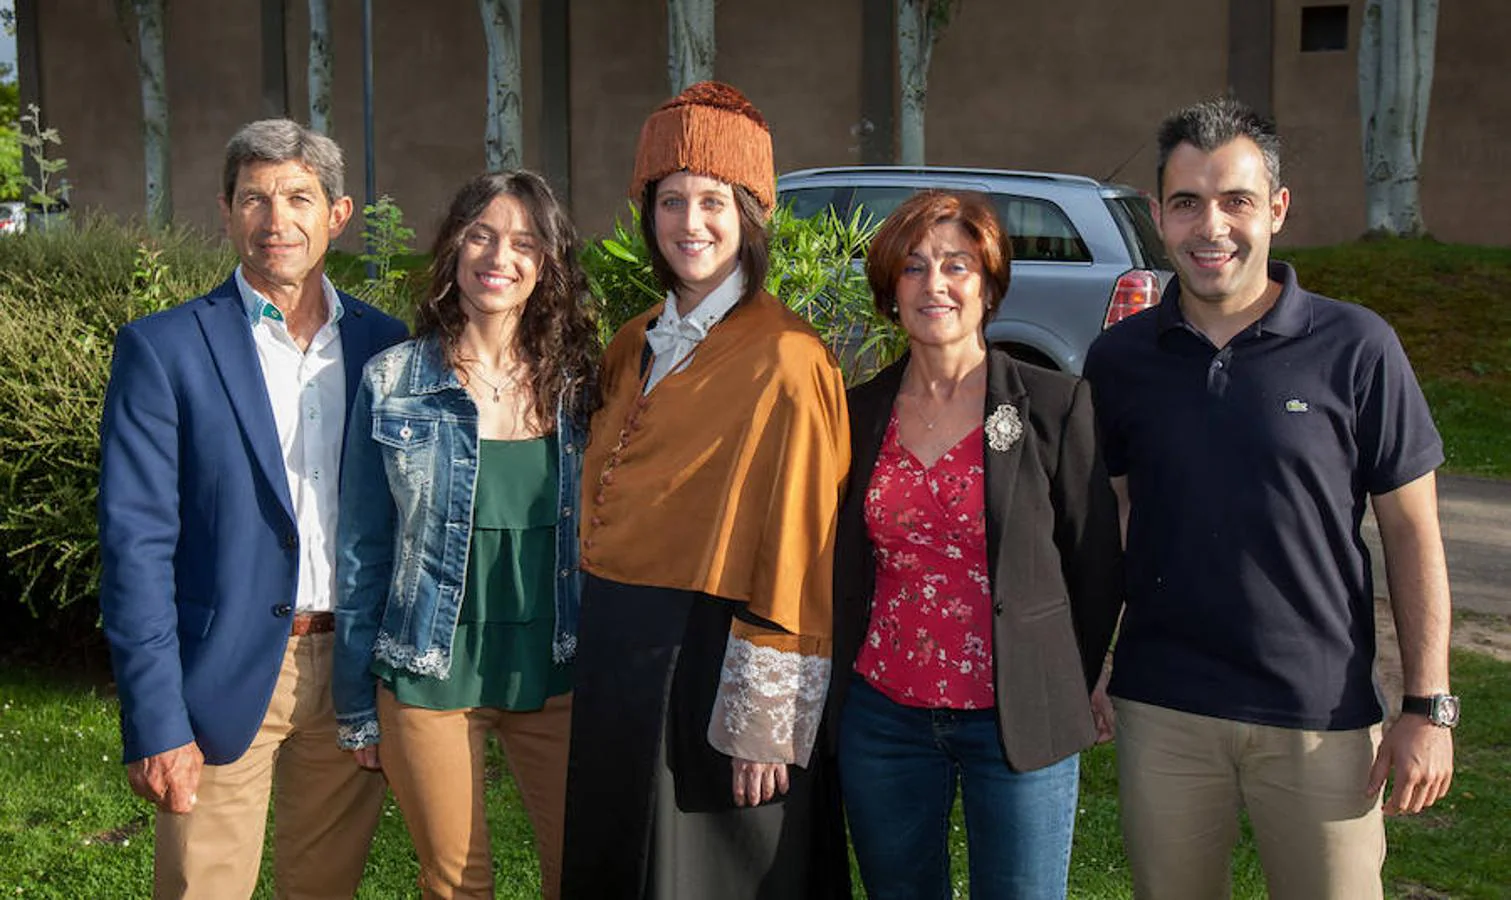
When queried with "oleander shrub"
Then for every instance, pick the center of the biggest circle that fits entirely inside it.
(815, 270)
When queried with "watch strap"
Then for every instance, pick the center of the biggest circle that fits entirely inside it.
(1416, 704)
(1439, 709)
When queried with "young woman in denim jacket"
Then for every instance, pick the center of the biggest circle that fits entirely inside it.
(457, 555)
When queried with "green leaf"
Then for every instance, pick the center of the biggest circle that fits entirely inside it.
(619, 250)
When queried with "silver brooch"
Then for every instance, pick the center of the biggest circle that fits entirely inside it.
(1003, 428)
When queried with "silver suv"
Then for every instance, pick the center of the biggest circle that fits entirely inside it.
(1086, 253)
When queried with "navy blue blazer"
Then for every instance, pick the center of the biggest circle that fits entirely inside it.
(197, 532)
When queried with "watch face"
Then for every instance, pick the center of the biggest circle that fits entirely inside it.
(1445, 710)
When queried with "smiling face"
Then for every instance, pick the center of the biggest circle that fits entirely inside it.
(281, 224)
(697, 225)
(499, 261)
(939, 293)
(1217, 217)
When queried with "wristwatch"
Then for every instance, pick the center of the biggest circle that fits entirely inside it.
(1440, 709)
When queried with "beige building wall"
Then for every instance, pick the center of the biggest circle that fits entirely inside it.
(797, 61)
(1070, 87)
(618, 75)
(429, 98)
(1467, 158)
(91, 94)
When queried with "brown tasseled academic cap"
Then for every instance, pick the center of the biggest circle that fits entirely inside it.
(709, 129)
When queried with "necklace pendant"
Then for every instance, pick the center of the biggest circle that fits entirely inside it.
(495, 395)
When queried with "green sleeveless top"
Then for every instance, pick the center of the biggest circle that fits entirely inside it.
(501, 653)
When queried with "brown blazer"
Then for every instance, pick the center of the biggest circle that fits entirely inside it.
(1053, 551)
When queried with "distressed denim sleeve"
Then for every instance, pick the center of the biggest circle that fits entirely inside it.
(364, 562)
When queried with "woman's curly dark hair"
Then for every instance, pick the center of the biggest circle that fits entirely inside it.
(557, 337)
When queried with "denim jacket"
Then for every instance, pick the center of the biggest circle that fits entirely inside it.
(408, 483)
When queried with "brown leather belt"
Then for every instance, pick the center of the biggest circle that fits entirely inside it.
(313, 623)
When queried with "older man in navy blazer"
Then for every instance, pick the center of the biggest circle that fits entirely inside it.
(219, 457)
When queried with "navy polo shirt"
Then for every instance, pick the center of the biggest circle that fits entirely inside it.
(1249, 588)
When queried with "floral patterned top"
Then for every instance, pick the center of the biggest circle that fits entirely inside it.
(929, 641)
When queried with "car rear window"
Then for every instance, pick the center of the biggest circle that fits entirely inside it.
(1039, 229)
(809, 202)
(878, 202)
(1136, 222)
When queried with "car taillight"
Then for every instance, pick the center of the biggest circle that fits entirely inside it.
(1136, 290)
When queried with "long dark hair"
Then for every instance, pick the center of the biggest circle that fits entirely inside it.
(556, 338)
(755, 255)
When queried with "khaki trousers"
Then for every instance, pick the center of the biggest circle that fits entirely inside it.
(1182, 779)
(325, 805)
(434, 762)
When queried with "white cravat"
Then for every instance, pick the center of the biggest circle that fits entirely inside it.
(675, 336)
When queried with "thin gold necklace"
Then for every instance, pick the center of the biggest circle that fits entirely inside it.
(921, 395)
(927, 422)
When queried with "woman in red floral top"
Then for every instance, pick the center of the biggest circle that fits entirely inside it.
(977, 578)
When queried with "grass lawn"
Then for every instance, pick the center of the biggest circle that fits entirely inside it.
(69, 827)
(1451, 305)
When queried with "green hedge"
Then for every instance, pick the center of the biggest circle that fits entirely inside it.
(64, 293)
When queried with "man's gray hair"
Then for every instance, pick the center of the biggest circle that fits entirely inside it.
(281, 140)
(1213, 123)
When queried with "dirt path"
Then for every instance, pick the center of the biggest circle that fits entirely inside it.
(1481, 632)
(1476, 518)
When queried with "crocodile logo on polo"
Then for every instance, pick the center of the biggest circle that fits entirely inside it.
(1294, 405)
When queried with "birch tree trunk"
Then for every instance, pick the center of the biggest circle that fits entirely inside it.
(1397, 46)
(689, 42)
(503, 140)
(915, 44)
(152, 70)
(322, 65)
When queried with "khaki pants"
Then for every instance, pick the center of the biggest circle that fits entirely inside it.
(434, 762)
(1182, 779)
(325, 805)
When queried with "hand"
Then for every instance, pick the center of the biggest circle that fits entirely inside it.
(367, 758)
(168, 779)
(1102, 712)
(1421, 755)
(755, 783)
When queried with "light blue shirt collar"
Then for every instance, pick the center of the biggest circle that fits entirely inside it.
(259, 307)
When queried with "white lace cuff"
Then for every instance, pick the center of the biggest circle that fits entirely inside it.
(769, 703)
(357, 735)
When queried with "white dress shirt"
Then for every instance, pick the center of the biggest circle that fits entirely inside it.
(675, 337)
(307, 391)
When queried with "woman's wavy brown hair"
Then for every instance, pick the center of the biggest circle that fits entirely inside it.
(556, 337)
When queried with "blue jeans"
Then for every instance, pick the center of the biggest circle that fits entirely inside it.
(898, 769)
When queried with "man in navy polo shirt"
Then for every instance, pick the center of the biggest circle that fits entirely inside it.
(1245, 423)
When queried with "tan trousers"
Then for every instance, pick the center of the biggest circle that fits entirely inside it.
(434, 762)
(1182, 779)
(325, 805)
